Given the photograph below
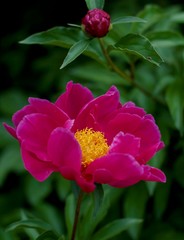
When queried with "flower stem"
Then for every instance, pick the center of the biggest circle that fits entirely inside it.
(77, 212)
(129, 78)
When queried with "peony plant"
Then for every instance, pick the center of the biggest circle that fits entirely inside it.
(92, 141)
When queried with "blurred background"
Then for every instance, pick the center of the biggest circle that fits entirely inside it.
(33, 70)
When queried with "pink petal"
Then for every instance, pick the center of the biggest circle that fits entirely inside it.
(45, 107)
(123, 122)
(115, 169)
(10, 129)
(125, 143)
(130, 107)
(96, 112)
(18, 116)
(35, 130)
(37, 168)
(74, 99)
(65, 153)
(153, 174)
(150, 136)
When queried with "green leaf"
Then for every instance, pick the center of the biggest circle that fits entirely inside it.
(175, 101)
(98, 198)
(37, 191)
(76, 50)
(10, 160)
(29, 223)
(70, 212)
(178, 17)
(135, 208)
(57, 36)
(127, 19)
(48, 235)
(91, 4)
(138, 45)
(166, 39)
(114, 228)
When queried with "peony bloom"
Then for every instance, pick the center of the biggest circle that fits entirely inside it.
(88, 140)
(96, 23)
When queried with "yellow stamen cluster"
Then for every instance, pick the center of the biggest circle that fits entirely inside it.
(93, 145)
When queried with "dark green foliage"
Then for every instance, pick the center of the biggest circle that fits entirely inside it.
(154, 80)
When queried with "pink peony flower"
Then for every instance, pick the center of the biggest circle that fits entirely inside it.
(96, 23)
(88, 140)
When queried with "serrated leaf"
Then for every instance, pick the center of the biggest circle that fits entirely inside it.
(166, 39)
(76, 50)
(48, 235)
(175, 102)
(114, 228)
(91, 4)
(138, 45)
(29, 223)
(127, 19)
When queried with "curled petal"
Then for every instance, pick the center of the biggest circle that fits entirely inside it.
(11, 130)
(125, 143)
(153, 174)
(65, 153)
(39, 169)
(96, 112)
(123, 122)
(45, 107)
(19, 115)
(130, 107)
(35, 130)
(115, 169)
(74, 99)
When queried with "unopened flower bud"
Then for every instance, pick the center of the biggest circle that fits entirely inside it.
(96, 23)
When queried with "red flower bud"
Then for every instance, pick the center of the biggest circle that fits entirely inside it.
(96, 23)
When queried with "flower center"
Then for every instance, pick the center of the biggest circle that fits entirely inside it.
(93, 145)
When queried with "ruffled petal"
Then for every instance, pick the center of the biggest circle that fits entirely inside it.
(39, 169)
(45, 107)
(115, 169)
(65, 153)
(153, 174)
(131, 108)
(96, 112)
(74, 99)
(125, 143)
(35, 130)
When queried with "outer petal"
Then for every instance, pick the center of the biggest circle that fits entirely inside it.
(131, 108)
(115, 169)
(35, 130)
(74, 99)
(10, 129)
(125, 143)
(65, 153)
(37, 168)
(149, 132)
(97, 111)
(45, 107)
(153, 174)
(19, 115)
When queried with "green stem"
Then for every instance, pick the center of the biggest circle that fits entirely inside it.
(129, 78)
(77, 212)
